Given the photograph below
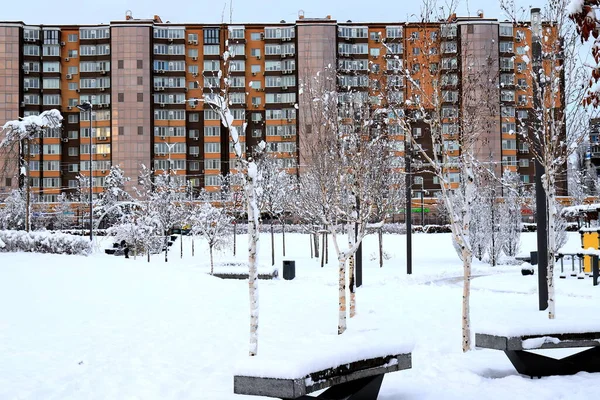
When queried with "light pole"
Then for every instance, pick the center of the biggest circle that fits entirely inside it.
(87, 106)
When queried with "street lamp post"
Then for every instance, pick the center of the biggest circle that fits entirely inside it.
(87, 106)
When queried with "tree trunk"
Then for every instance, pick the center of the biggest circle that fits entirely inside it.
(212, 265)
(27, 187)
(311, 245)
(181, 237)
(323, 253)
(272, 244)
(283, 234)
(551, 242)
(326, 248)
(148, 250)
(193, 237)
(166, 247)
(234, 236)
(342, 295)
(380, 235)
(253, 236)
(352, 286)
(351, 272)
(316, 241)
(466, 319)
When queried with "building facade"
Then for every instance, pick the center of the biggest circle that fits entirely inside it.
(142, 77)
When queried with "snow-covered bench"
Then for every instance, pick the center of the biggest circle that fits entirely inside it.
(349, 372)
(532, 364)
(239, 270)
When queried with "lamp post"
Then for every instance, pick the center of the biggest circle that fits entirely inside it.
(540, 193)
(87, 106)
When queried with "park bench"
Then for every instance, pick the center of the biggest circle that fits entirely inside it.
(532, 364)
(355, 380)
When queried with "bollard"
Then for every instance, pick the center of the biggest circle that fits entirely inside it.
(595, 271)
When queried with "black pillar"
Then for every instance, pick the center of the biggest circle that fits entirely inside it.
(358, 255)
(408, 207)
(542, 236)
(540, 194)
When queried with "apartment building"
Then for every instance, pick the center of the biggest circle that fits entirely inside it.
(144, 79)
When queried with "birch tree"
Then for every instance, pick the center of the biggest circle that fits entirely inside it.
(274, 184)
(455, 145)
(164, 202)
(335, 185)
(510, 213)
(219, 102)
(25, 131)
(212, 223)
(554, 134)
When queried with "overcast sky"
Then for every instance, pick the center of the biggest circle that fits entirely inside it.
(179, 11)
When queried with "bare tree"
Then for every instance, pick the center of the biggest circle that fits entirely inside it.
(335, 182)
(24, 131)
(457, 125)
(274, 185)
(553, 134)
(219, 102)
(212, 223)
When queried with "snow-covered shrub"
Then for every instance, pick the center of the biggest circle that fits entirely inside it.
(44, 242)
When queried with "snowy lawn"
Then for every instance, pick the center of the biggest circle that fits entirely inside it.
(103, 327)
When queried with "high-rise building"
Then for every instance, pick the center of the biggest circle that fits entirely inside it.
(142, 77)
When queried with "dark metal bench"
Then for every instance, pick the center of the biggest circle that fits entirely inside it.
(359, 380)
(527, 363)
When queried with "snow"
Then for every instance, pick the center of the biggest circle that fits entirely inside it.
(101, 326)
(575, 7)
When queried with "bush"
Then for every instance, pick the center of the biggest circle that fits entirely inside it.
(44, 242)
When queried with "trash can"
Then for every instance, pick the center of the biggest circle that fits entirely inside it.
(289, 270)
(534, 257)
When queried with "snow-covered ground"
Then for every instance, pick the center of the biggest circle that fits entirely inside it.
(103, 327)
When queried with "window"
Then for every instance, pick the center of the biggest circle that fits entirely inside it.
(73, 134)
(524, 163)
(416, 51)
(256, 133)
(507, 63)
(507, 95)
(193, 37)
(51, 99)
(212, 147)
(416, 132)
(73, 37)
(256, 36)
(506, 30)
(394, 32)
(194, 165)
(211, 115)
(73, 151)
(212, 50)
(507, 111)
(509, 144)
(506, 47)
(211, 36)
(212, 164)
(140, 64)
(509, 127)
(509, 160)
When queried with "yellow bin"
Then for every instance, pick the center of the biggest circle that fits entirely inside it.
(589, 239)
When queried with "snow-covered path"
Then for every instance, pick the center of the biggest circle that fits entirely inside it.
(104, 327)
